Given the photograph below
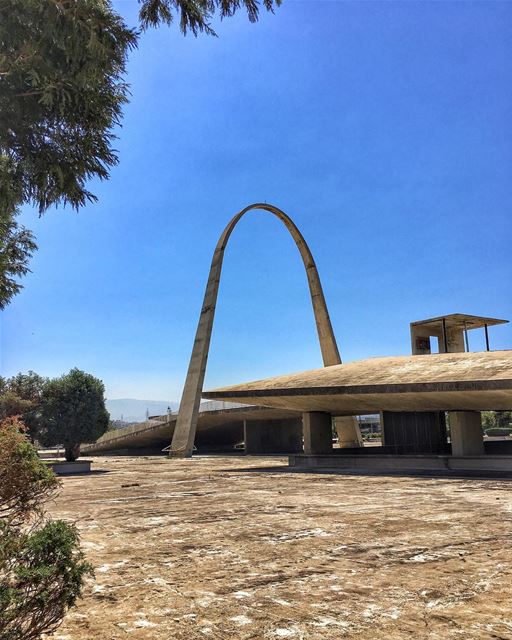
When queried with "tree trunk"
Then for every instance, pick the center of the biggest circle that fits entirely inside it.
(72, 451)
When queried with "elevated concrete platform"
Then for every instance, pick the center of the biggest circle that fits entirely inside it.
(218, 429)
(496, 465)
(438, 382)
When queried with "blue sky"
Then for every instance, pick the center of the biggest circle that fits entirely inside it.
(383, 129)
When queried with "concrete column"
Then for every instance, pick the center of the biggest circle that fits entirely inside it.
(317, 427)
(455, 339)
(273, 436)
(253, 437)
(466, 433)
(349, 434)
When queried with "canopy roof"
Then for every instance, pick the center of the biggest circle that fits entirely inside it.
(436, 382)
(460, 321)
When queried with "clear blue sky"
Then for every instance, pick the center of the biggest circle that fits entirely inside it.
(384, 130)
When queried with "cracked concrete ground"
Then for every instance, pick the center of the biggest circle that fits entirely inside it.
(237, 548)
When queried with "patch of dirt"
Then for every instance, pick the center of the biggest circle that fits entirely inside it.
(213, 548)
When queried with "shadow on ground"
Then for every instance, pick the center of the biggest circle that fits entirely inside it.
(393, 474)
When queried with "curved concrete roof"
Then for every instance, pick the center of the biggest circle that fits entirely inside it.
(446, 381)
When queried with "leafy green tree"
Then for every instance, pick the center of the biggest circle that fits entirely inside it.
(492, 420)
(25, 482)
(22, 395)
(196, 15)
(73, 412)
(16, 242)
(28, 386)
(12, 405)
(42, 569)
(62, 64)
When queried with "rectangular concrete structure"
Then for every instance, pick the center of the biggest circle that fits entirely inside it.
(450, 332)
(65, 468)
(317, 428)
(471, 465)
(466, 433)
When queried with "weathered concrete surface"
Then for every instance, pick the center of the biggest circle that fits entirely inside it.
(201, 548)
(467, 435)
(184, 433)
(437, 382)
(317, 427)
(348, 431)
(273, 436)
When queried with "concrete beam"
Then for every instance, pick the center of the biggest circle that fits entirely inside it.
(317, 427)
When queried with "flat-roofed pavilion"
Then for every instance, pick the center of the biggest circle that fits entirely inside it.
(451, 332)
(412, 393)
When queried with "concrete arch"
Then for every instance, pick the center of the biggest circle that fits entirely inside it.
(184, 433)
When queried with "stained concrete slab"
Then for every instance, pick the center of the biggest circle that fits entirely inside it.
(218, 548)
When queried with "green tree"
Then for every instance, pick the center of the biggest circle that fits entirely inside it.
(62, 65)
(196, 15)
(12, 405)
(22, 395)
(42, 569)
(16, 245)
(28, 386)
(492, 420)
(73, 412)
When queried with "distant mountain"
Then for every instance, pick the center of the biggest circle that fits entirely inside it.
(132, 410)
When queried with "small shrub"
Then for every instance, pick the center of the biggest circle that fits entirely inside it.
(498, 431)
(42, 568)
(25, 482)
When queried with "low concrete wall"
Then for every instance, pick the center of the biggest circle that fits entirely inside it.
(64, 468)
(498, 447)
(471, 465)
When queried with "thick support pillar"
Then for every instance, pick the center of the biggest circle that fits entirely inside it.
(349, 434)
(466, 433)
(317, 427)
(273, 436)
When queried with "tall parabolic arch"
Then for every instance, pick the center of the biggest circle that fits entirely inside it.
(185, 430)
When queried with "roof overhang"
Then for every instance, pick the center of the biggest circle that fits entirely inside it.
(438, 382)
(461, 321)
